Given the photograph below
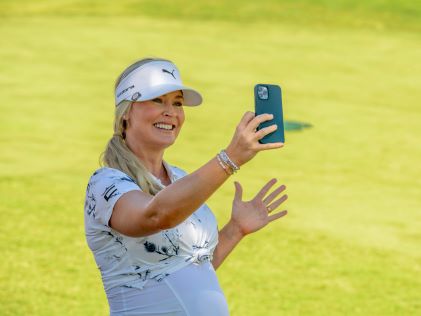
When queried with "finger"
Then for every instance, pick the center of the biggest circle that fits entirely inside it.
(277, 215)
(238, 191)
(247, 117)
(278, 202)
(265, 131)
(263, 191)
(274, 194)
(268, 146)
(255, 122)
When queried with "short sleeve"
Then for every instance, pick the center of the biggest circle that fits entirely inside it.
(105, 187)
(177, 172)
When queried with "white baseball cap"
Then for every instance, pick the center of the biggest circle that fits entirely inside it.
(153, 79)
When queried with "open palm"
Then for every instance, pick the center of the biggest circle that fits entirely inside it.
(251, 216)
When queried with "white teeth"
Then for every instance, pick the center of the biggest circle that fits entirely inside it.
(163, 126)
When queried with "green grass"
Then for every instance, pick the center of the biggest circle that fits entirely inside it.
(379, 14)
(350, 244)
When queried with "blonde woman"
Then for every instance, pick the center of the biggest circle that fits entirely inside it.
(154, 239)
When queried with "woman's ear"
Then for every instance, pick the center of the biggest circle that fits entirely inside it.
(126, 115)
(126, 118)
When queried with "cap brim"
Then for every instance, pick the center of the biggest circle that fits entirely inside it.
(191, 96)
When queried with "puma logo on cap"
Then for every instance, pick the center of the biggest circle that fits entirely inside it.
(171, 73)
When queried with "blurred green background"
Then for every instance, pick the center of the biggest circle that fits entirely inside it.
(351, 242)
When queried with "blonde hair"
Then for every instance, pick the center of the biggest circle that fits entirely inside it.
(117, 154)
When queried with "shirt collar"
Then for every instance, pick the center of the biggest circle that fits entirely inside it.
(170, 173)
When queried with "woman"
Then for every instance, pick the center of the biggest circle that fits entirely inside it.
(154, 240)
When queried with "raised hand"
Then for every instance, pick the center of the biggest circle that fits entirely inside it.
(251, 216)
(245, 142)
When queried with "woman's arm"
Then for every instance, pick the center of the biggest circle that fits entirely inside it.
(228, 238)
(139, 214)
(248, 217)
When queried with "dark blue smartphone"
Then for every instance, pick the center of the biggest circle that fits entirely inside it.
(268, 99)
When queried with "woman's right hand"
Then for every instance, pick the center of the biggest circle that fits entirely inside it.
(245, 142)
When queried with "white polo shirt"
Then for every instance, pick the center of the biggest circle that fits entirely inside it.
(131, 261)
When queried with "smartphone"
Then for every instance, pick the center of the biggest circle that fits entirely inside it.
(268, 99)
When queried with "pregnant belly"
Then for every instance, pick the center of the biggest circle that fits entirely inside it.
(191, 291)
(197, 289)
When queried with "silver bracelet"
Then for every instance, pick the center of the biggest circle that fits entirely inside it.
(228, 161)
(226, 168)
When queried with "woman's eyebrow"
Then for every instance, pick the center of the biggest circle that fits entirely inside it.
(179, 97)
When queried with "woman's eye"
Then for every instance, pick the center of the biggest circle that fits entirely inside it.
(178, 104)
(157, 100)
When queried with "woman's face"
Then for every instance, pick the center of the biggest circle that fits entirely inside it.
(155, 123)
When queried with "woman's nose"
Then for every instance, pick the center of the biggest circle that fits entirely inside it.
(169, 109)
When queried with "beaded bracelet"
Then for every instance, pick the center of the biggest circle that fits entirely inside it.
(224, 157)
(226, 168)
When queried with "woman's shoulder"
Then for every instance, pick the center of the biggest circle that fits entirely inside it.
(107, 174)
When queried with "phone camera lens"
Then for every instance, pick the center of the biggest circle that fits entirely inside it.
(262, 92)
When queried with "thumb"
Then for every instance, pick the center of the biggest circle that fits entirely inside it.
(238, 191)
(247, 117)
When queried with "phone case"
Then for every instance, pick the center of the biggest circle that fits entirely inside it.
(268, 99)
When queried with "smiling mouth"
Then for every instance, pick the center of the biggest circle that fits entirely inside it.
(164, 126)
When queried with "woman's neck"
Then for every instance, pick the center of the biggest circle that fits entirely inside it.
(153, 162)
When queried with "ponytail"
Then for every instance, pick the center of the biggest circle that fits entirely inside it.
(118, 155)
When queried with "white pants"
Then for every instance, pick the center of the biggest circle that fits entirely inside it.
(191, 291)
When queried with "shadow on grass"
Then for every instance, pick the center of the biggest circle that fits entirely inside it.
(296, 126)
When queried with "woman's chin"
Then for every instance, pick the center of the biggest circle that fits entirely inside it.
(165, 142)
(155, 140)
